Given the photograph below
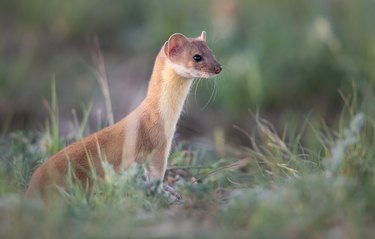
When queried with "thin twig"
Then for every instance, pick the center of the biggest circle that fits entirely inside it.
(188, 167)
(102, 78)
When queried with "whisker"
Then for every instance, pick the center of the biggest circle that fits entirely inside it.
(196, 90)
(216, 91)
(211, 97)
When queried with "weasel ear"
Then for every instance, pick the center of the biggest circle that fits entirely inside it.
(203, 36)
(174, 44)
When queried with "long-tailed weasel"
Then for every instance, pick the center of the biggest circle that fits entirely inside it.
(147, 132)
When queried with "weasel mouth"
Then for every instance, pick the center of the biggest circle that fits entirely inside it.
(216, 70)
(213, 71)
(206, 74)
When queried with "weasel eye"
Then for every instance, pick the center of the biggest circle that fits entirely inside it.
(197, 58)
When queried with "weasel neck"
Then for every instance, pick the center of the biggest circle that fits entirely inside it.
(167, 93)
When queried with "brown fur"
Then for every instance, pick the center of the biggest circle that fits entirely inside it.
(145, 133)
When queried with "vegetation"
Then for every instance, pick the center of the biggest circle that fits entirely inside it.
(305, 66)
(275, 187)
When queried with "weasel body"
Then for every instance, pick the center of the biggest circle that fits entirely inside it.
(147, 132)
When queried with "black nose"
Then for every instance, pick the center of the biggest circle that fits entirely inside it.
(218, 69)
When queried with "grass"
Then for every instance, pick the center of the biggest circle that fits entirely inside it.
(276, 187)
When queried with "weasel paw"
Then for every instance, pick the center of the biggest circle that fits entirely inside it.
(172, 194)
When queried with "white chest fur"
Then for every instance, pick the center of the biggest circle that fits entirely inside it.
(174, 91)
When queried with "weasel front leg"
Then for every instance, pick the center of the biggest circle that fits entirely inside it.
(155, 171)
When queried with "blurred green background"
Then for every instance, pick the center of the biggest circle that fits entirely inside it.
(283, 58)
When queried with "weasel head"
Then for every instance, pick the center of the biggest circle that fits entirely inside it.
(191, 57)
